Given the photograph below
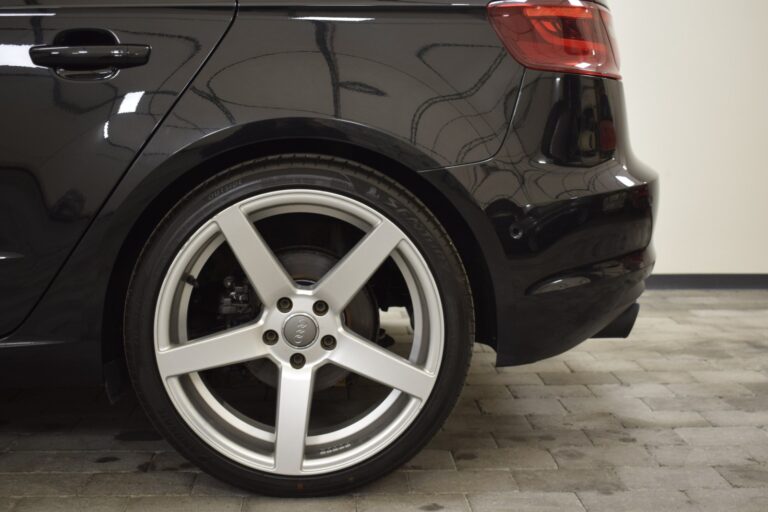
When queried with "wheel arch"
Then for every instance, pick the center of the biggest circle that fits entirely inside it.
(458, 228)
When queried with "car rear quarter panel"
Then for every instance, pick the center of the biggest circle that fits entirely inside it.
(427, 85)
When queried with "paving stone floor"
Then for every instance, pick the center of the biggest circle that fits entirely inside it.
(675, 418)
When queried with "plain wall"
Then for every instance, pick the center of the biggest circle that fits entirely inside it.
(696, 80)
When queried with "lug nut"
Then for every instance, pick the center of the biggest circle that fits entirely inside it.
(297, 361)
(284, 304)
(328, 342)
(270, 337)
(320, 307)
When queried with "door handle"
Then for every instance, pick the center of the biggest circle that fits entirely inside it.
(90, 58)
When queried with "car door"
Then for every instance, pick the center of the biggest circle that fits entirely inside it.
(83, 85)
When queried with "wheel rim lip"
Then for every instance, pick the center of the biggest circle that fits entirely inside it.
(421, 284)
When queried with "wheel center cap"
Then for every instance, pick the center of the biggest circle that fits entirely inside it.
(300, 330)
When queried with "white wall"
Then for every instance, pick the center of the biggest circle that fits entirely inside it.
(696, 80)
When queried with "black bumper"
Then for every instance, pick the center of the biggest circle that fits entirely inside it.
(564, 214)
(578, 305)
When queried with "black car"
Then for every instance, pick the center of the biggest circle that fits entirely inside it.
(287, 222)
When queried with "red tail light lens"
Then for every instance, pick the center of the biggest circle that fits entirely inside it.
(574, 36)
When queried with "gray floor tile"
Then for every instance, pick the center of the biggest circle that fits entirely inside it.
(486, 423)
(503, 379)
(542, 438)
(626, 391)
(206, 485)
(597, 420)
(645, 377)
(71, 504)
(635, 436)
(710, 390)
(693, 404)
(441, 482)
(637, 501)
(525, 502)
(723, 436)
(410, 503)
(431, 459)
(719, 377)
(701, 456)
(456, 440)
(745, 476)
(517, 406)
(333, 504)
(551, 378)
(72, 462)
(569, 480)
(505, 458)
(56, 484)
(741, 500)
(394, 483)
(184, 504)
(662, 419)
(550, 391)
(487, 391)
(547, 365)
(604, 365)
(593, 457)
(139, 484)
(672, 479)
(172, 461)
(732, 418)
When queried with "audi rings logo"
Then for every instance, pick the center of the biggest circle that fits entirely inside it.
(300, 330)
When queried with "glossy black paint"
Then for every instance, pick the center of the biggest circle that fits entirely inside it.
(572, 210)
(65, 143)
(530, 172)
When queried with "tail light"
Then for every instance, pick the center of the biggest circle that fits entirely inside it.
(572, 36)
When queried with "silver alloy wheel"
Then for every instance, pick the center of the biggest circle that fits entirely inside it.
(289, 448)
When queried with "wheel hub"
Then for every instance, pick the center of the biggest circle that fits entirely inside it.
(307, 265)
(300, 330)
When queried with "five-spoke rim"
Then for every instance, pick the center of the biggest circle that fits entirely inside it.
(288, 448)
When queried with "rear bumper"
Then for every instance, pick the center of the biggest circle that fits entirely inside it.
(564, 214)
(596, 253)
(548, 323)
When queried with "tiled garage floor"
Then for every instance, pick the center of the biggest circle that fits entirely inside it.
(676, 418)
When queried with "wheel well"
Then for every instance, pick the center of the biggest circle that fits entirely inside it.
(454, 224)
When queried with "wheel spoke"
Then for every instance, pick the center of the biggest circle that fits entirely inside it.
(293, 405)
(264, 271)
(378, 364)
(344, 280)
(220, 349)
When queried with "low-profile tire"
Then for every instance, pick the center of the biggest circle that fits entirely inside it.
(178, 358)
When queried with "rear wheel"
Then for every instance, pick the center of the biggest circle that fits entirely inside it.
(298, 325)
